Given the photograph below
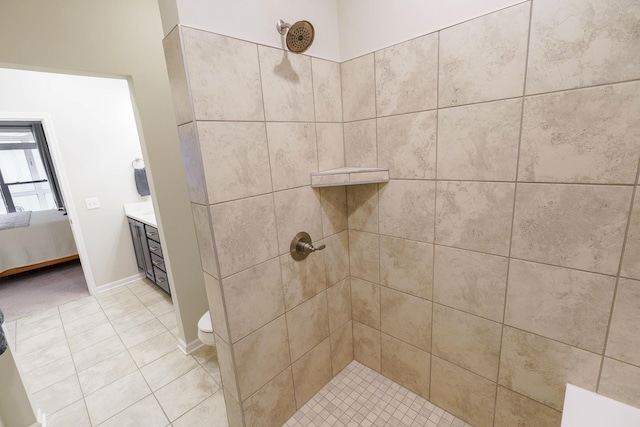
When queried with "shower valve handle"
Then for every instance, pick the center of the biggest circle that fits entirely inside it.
(302, 246)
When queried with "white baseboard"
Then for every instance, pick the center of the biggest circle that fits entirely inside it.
(191, 347)
(118, 283)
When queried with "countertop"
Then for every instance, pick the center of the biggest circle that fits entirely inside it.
(142, 211)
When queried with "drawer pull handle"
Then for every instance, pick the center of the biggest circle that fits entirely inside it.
(161, 279)
(153, 248)
(157, 263)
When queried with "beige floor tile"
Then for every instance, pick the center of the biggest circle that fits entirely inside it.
(36, 342)
(146, 412)
(85, 324)
(77, 303)
(212, 412)
(212, 366)
(97, 353)
(186, 392)
(37, 359)
(49, 374)
(91, 337)
(169, 320)
(90, 307)
(167, 368)
(161, 307)
(34, 328)
(131, 320)
(154, 348)
(115, 297)
(151, 298)
(204, 353)
(73, 415)
(113, 291)
(141, 287)
(59, 395)
(38, 316)
(112, 399)
(120, 310)
(141, 333)
(106, 372)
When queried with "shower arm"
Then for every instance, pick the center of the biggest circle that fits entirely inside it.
(282, 26)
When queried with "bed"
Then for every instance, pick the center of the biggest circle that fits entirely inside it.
(46, 241)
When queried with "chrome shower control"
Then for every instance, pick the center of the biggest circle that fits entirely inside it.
(301, 246)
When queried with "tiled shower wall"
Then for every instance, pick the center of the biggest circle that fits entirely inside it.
(254, 122)
(502, 260)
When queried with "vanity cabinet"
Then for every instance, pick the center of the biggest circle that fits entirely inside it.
(148, 249)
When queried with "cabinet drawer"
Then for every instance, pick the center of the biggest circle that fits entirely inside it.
(152, 233)
(162, 280)
(155, 248)
(158, 262)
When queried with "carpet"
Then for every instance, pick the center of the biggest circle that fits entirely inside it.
(38, 290)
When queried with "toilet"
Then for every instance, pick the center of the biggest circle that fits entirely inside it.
(205, 330)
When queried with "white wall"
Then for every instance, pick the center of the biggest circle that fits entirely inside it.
(369, 25)
(255, 20)
(96, 133)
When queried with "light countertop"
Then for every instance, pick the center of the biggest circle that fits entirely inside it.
(142, 211)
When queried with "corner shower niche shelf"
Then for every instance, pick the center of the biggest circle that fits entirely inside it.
(349, 176)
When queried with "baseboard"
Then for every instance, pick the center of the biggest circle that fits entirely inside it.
(191, 347)
(118, 283)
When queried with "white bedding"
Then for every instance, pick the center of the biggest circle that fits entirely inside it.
(47, 238)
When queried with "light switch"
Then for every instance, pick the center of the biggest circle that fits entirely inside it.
(92, 203)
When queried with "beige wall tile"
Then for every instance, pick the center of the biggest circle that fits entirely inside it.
(405, 364)
(234, 411)
(513, 409)
(342, 347)
(297, 210)
(293, 154)
(336, 257)
(330, 137)
(253, 298)
(588, 136)
(339, 300)
(271, 344)
(358, 88)
(579, 43)
(466, 395)
(566, 305)
(362, 202)
(484, 59)
(467, 341)
(577, 226)
(406, 317)
(273, 404)
(180, 91)
(407, 266)
(470, 281)
(192, 161)
(327, 94)
(624, 341)
(479, 142)
(631, 259)
(333, 201)
(236, 160)
(227, 367)
(366, 346)
(407, 145)
(286, 85)
(407, 76)
(365, 302)
(364, 255)
(360, 144)
(302, 280)
(475, 215)
(245, 233)
(216, 307)
(204, 235)
(540, 368)
(311, 372)
(308, 325)
(620, 381)
(407, 209)
(224, 76)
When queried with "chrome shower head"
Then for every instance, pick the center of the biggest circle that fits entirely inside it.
(299, 37)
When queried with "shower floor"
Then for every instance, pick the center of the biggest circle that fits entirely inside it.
(359, 396)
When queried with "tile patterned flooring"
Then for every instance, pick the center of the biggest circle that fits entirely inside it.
(359, 396)
(113, 360)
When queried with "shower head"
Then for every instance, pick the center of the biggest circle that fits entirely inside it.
(299, 37)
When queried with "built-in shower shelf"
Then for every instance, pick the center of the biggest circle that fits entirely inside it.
(349, 176)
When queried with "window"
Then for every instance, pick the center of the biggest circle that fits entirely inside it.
(27, 179)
